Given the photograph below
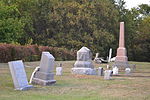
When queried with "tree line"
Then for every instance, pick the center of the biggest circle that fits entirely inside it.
(72, 24)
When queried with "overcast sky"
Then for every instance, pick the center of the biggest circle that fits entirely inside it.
(135, 3)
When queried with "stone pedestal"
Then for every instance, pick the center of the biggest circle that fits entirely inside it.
(121, 55)
(84, 64)
(45, 75)
(121, 51)
(43, 82)
(84, 71)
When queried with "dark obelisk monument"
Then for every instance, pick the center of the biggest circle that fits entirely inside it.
(121, 58)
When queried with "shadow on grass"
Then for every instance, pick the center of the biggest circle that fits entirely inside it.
(142, 76)
(141, 72)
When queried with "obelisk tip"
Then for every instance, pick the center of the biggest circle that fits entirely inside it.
(121, 22)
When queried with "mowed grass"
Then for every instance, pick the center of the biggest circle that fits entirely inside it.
(80, 87)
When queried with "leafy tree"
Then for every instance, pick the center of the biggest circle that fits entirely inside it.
(142, 41)
(11, 25)
(72, 24)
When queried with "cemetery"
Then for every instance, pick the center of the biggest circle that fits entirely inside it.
(74, 50)
(80, 87)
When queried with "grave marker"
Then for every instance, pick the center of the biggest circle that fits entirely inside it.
(45, 75)
(19, 75)
(84, 64)
(107, 74)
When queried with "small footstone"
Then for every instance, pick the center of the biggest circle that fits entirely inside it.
(127, 71)
(58, 70)
(107, 74)
(100, 71)
(115, 71)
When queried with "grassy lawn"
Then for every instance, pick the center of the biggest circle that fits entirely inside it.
(80, 87)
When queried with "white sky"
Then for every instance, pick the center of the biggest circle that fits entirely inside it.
(135, 3)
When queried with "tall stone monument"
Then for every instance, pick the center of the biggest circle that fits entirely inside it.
(45, 75)
(19, 75)
(84, 64)
(121, 58)
(121, 51)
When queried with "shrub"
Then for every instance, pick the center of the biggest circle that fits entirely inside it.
(10, 52)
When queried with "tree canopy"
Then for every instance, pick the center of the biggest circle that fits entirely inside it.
(72, 24)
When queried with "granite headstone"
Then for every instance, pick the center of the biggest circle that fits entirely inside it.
(45, 75)
(84, 64)
(19, 75)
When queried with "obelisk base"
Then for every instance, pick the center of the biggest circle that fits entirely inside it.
(121, 54)
(121, 58)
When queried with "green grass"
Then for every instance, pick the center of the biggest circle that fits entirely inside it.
(81, 87)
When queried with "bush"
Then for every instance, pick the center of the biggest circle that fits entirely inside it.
(10, 52)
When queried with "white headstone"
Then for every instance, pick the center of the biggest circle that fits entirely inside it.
(127, 71)
(107, 74)
(58, 70)
(100, 71)
(110, 53)
(33, 73)
(19, 75)
(108, 67)
(115, 71)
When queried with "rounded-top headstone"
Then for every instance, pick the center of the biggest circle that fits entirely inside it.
(128, 71)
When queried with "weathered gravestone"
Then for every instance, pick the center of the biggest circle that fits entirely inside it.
(45, 75)
(100, 71)
(84, 64)
(59, 70)
(19, 75)
(107, 74)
